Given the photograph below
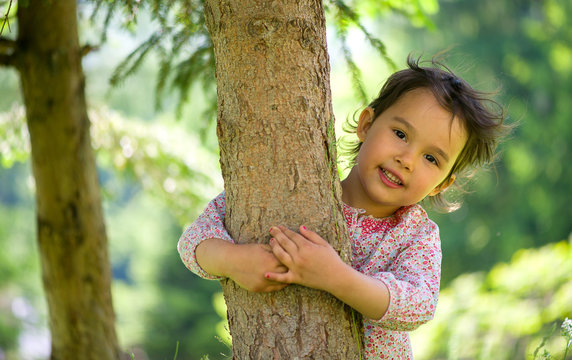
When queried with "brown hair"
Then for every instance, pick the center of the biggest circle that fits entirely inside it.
(482, 117)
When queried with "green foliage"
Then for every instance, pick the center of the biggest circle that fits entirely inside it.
(127, 10)
(12, 257)
(14, 143)
(504, 313)
(20, 289)
(223, 333)
(186, 53)
(416, 11)
(566, 332)
(344, 18)
(10, 327)
(182, 45)
(165, 161)
(184, 312)
(8, 10)
(158, 302)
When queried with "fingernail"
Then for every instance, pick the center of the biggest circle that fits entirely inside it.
(270, 230)
(303, 227)
(271, 240)
(267, 276)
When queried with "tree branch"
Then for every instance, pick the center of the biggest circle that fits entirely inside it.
(6, 19)
(86, 49)
(7, 50)
(7, 45)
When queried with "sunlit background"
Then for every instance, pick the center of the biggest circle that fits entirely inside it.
(507, 253)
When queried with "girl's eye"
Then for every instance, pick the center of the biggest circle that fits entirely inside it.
(400, 134)
(431, 159)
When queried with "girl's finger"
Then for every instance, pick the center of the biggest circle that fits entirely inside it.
(312, 236)
(284, 278)
(282, 255)
(266, 247)
(293, 236)
(278, 233)
(281, 269)
(285, 242)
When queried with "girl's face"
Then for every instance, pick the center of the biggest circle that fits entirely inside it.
(407, 153)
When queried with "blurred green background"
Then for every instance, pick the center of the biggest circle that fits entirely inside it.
(507, 261)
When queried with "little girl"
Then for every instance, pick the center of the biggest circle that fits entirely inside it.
(426, 127)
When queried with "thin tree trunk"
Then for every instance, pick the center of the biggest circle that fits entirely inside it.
(275, 129)
(71, 232)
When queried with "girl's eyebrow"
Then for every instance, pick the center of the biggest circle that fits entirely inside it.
(405, 123)
(411, 129)
(441, 153)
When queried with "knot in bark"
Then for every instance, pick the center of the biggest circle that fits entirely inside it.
(263, 27)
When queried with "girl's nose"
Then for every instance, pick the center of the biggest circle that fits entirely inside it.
(405, 159)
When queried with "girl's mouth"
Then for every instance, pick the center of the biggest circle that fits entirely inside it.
(388, 178)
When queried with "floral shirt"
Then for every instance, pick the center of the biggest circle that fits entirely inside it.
(403, 251)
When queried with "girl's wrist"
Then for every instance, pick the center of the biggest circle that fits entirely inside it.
(229, 252)
(363, 293)
(336, 284)
(213, 256)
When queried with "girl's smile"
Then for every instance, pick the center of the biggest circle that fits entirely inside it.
(389, 178)
(407, 154)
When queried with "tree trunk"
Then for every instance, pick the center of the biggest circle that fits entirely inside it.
(71, 232)
(275, 129)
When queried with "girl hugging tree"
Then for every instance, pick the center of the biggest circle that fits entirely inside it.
(427, 128)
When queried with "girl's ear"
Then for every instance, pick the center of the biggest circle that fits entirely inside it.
(364, 123)
(445, 184)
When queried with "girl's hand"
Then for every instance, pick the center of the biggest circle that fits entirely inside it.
(311, 260)
(246, 264)
(251, 263)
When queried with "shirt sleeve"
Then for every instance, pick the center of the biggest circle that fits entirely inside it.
(412, 278)
(210, 224)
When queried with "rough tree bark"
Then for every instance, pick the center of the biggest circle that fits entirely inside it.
(275, 130)
(71, 232)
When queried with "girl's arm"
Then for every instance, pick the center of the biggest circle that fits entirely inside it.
(209, 224)
(312, 262)
(413, 279)
(207, 250)
(399, 294)
(246, 264)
